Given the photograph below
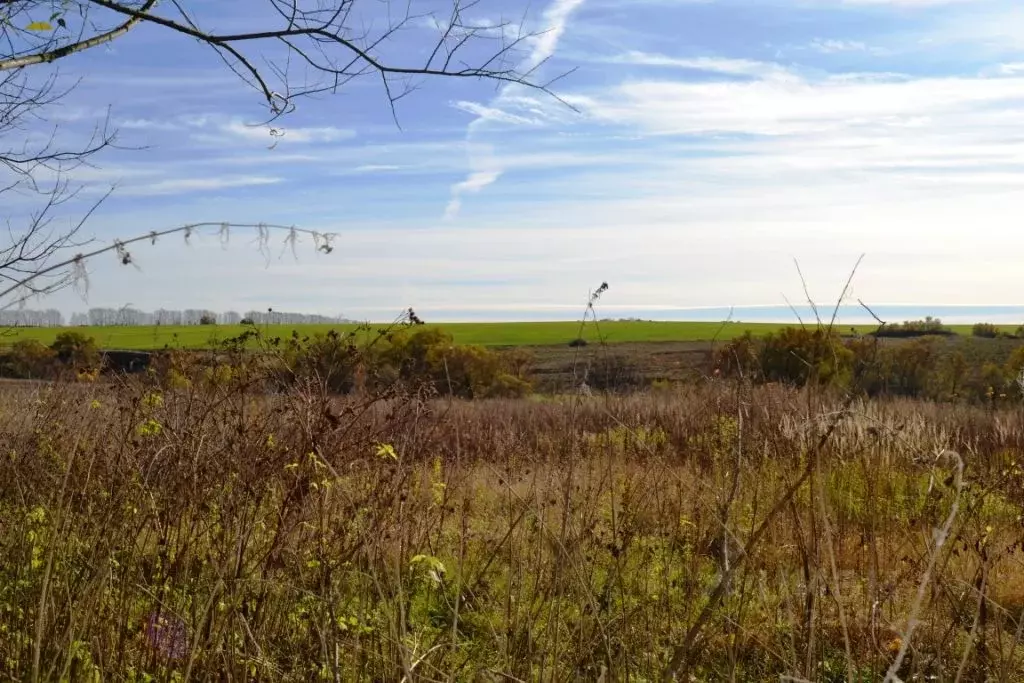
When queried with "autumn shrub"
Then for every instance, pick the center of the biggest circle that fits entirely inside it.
(914, 328)
(909, 366)
(332, 358)
(794, 355)
(76, 350)
(799, 356)
(30, 359)
(611, 371)
(418, 358)
(985, 330)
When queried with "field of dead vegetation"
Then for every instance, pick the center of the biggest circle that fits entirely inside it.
(715, 531)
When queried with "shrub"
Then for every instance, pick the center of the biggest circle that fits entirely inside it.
(427, 358)
(505, 385)
(465, 371)
(207, 319)
(986, 330)
(614, 372)
(330, 358)
(76, 350)
(741, 357)
(794, 355)
(915, 328)
(247, 321)
(578, 342)
(909, 366)
(31, 359)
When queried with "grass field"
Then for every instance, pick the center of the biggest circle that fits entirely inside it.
(205, 533)
(485, 334)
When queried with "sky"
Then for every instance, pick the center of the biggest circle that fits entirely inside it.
(697, 151)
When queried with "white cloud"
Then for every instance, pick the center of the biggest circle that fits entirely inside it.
(494, 114)
(770, 107)
(734, 67)
(474, 183)
(556, 18)
(187, 185)
(376, 168)
(830, 46)
(478, 26)
(218, 128)
(283, 133)
(913, 3)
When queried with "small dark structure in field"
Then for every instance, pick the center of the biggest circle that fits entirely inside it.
(126, 361)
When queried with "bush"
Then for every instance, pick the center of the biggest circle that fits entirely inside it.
(247, 321)
(614, 372)
(794, 355)
(427, 358)
(915, 328)
(577, 343)
(330, 358)
(909, 367)
(31, 359)
(986, 330)
(76, 350)
(741, 357)
(802, 356)
(207, 319)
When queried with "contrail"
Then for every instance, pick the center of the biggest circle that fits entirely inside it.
(485, 168)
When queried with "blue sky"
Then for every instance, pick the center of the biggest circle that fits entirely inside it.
(709, 144)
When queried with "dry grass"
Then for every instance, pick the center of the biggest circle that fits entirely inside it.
(207, 533)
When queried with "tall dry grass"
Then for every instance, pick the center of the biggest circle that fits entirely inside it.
(720, 532)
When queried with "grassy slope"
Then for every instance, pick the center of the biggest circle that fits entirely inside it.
(486, 334)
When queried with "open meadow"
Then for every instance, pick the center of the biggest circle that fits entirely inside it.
(483, 334)
(199, 527)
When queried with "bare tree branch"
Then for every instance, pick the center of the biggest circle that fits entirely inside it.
(291, 49)
(321, 38)
(56, 53)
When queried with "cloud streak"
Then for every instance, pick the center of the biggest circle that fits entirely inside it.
(556, 19)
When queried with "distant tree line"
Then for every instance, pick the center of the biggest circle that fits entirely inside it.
(27, 318)
(107, 317)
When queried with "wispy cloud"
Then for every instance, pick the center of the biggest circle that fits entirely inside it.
(801, 106)
(913, 3)
(556, 19)
(831, 46)
(219, 128)
(182, 185)
(299, 135)
(482, 112)
(718, 65)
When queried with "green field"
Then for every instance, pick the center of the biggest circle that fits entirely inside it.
(485, 334)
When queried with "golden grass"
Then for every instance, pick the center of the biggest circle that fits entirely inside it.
(211, 533)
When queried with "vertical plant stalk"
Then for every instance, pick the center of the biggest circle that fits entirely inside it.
(58, 524)
(682, 655)
(940, 536)
(974, 627)
(836, 579)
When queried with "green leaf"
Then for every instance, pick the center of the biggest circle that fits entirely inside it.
(40, 26)
(430, 562)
